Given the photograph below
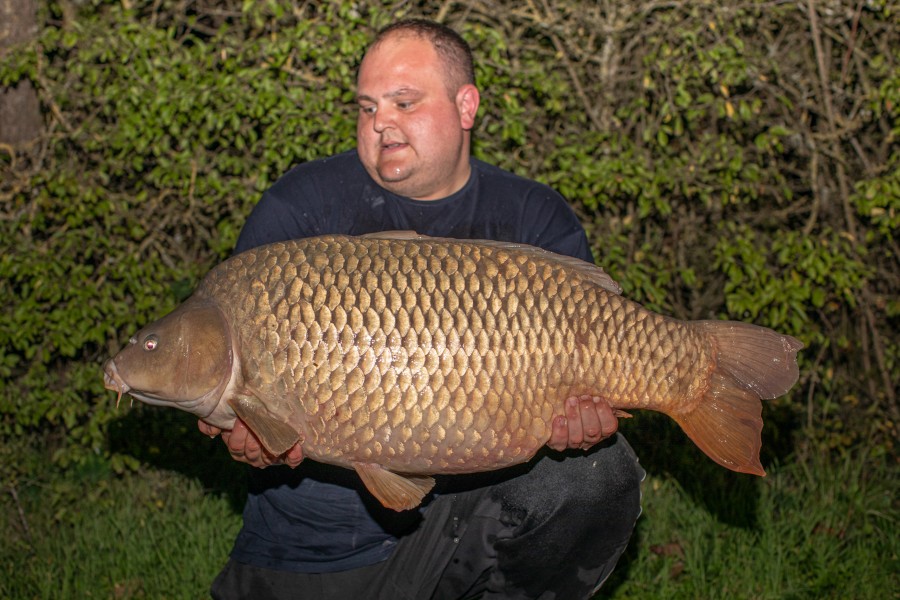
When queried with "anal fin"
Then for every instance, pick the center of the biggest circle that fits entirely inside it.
(276, 436)
(395, 491)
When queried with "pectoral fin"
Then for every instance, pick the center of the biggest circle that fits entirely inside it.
(277, 436)
(395, 491)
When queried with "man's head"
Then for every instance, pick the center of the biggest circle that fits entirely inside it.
(452, 49)
(417, 102)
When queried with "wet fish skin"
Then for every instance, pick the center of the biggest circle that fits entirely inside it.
(404, 356)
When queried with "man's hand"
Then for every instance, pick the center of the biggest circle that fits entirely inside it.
(244, 446)
(588, 420)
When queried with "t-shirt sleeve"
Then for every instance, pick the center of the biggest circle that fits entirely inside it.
(553, 225)
(292, 208)
(273, 219)
(313, 198)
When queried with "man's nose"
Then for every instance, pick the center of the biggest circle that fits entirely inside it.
(384, 119)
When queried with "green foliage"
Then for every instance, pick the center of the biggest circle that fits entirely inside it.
(169, 139)
(714, 176)
(776, 281)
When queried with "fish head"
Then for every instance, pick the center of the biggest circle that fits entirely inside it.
(184, 359)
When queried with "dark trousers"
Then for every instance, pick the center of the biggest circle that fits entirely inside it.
(553, 529)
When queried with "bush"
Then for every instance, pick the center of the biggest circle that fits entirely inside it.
(728, 160)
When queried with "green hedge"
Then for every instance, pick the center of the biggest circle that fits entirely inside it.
(728, 160)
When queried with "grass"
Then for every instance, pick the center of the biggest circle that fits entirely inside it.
(150, 534)
(821, 528)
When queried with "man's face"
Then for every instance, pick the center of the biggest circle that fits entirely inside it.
(412, 132)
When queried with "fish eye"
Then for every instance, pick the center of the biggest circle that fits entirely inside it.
(151, 342)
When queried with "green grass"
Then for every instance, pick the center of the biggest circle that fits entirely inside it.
(823, 528)
(820, 529)
(91, 534)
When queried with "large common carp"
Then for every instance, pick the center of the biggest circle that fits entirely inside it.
(404, 356)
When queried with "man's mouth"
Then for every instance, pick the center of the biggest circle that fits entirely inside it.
(388, 146)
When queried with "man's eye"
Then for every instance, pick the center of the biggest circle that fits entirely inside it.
(367, 110)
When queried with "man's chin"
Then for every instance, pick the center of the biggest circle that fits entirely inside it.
(398, 183)
(393, 174)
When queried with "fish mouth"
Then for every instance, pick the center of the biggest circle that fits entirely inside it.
(113, 381)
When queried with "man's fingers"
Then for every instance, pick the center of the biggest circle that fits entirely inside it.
(590, 420)
(559, 434)
(207, 429)
(294, 456)
(609, 423)
(591, 425)
(573, 417)
(236, 439)
(244, 446)
(587, 420)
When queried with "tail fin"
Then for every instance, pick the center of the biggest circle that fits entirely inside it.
(752, 363)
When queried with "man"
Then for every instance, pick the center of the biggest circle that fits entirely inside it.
(553, 528)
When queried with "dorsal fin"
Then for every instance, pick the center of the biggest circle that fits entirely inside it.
(589, 271)
(399, 234)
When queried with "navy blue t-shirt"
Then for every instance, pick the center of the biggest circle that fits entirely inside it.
(318, 518)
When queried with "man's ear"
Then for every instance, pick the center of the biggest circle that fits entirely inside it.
(467, 100)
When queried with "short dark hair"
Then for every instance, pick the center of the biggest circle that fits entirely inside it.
(452, 49)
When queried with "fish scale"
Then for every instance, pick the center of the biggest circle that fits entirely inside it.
(403, 356)
(392, 306)
(488, 386)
